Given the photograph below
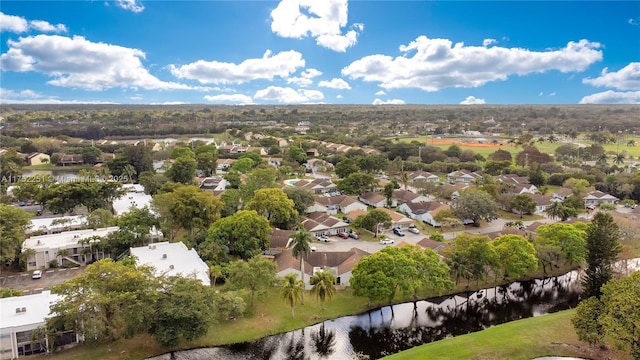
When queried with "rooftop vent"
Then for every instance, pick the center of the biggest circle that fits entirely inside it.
(171, 267)
(164, 256)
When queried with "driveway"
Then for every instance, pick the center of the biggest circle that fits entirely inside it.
(23, 281)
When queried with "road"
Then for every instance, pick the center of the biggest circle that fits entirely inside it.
(24, 282)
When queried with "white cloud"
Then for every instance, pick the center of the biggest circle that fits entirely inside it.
(388, 102)
(44, 26)
(380, 93)
(130, 5)
(305, 78)
(552, 94)
(335, 83)
(230, 98)
(540, 93)
(612, 97)
(24, 94)
(136, 97)
(80, 63)
(268, 67)
(633, 21)
(322, 20)
(32, 97)
(627, 78)
(434, 64)
(288, 95)
(13, 23)
(19, 24)
(339, 96)
(472, 100)
(487, 42)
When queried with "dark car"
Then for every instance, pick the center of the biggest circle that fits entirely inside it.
(398, 232)
(354, 236)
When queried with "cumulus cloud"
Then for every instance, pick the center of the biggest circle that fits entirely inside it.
(472, 100)
(23, 94)
(19, 24)
(322, 20)
(8, 96)
(380, 93)
(80, 63)
(335, 83)
(612, 97)
(305, 79)
(288, 95)
(488, 42)
(388, 102)
(130, 5)
(267, 67)
(435, 64)
(230, 98)
(627, 78)
(339, 96)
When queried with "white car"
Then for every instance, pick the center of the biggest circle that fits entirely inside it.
(387, 241)
(414, 230)
(323, 238)
(36, 274)
(313, 249)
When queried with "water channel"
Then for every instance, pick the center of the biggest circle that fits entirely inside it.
(391, 329)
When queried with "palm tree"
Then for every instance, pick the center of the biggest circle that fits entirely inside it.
(292, 291)
(631, 143)
(554, 210)
(301, 247)
(323, 287)
(618, 159)
(215, 272)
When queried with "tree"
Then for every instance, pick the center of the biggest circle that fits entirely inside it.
(215, 272)
(523, 203)
(243, 165)
(183, 310)
(296, 154)
(151, 182)
(232, 201)
(244, 234)
(569, 238)
(108, 301)
(469, 257)
(602, 250)
(100, 218)
(475, 205)
(432, 273)
(554, 210)
(346, 167)
(500, 155)
(323, 285)
(291, 291)
(206, 157)
(514, 255)
(356, 183)
(620, 316)
(13, 224)
(90, 155)
(257, 275)
(301, 246)
(388, 192)
(10, 167)
(259, 178)
(373, 219)
(375, 278)
(302, 198)
(275, 206)
(183, 170)
(537, 176)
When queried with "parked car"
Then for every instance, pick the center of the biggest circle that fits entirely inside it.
(398, 232)
(323, 238)
(38, 212)
(414, 230)
(22, 203)
(354, 236)
(387, 241)
(343, 235)
(313, 248)
(591, 207)
(36, 274)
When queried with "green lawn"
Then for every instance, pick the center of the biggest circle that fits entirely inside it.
(522, 339)
(516, 217)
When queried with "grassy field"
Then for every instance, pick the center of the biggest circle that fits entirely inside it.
(516, 217)
(523, 339)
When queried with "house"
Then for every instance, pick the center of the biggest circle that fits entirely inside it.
(212, 183)
(320, 224)
(397, 220)
(452, 191)
(274, 161)
(340, 263)
(561, 194)
(134, 199)
(463, 176)
(542, 202)
(427, 243)
(280, 239)
(172, 259)
(597, 197)
(316, 186)
(55, 225)
(424, 211)
(336, 204)
(312, 152)
(375, 199)
(21, 315)
(422, 177)
(507, 230)
(402, 196)
(69, 247)
(69, 160)
(224, 164)
(37, 158)
(516, 185)
(133, 188)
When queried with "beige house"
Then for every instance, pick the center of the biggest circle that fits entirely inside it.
(37, 159)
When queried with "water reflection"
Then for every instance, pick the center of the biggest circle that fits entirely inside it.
(391, 329)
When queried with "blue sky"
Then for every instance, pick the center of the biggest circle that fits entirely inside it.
(312, 51)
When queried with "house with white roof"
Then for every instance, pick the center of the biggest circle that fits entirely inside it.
(424, 211)
(320, 224)
(136, 199)
(21, 315)
(69, 247)
(597, 197)
(335, 204)
(463, 176)
(53, 225)
(172, 259)
(421, 176)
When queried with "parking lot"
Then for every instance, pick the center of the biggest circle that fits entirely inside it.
(338, 244)
(49, 277)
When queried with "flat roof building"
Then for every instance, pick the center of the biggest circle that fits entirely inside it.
(172, 259)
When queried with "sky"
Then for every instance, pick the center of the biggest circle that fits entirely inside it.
(320, 51)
